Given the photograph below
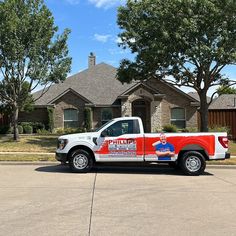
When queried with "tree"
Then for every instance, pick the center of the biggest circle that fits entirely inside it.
(30, 51)
(185, 42)
(226, 90)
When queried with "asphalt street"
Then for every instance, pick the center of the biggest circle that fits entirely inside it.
(49, 200)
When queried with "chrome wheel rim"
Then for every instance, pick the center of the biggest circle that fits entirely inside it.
(80, 161)
(193, 163)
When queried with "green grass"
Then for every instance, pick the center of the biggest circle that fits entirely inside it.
(232, 147)
(29, 143)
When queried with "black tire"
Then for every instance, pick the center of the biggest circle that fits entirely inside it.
(192, 163)
(80, 161)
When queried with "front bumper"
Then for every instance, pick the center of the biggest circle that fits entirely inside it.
(62, 157)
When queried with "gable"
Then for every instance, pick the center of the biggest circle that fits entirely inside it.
(69, 93)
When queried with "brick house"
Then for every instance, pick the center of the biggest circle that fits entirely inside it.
(155, 101)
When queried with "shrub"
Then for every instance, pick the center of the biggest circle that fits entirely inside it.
(169, 128)
(20, 129)
(58, 131)
(43, 131)
(87, 118)
(10, 130)
(34, 125)
(50, 125)
(218, 128)
(28, 129)
(69, 130)
(4, 129)
(37, 125)
(190, 130)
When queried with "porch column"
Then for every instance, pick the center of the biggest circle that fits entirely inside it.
(126, 108)
(156, 116)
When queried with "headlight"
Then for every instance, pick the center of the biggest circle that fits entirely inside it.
(62, 143)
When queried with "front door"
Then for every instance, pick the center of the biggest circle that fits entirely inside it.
(121, 141)
(141, 108)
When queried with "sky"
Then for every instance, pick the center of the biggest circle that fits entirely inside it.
(93, 29)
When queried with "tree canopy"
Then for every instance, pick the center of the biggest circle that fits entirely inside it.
(186, 42)
(226, 90)
(32, 54)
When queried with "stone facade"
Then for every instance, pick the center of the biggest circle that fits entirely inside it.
(174, 99)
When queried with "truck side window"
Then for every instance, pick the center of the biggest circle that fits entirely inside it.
(123, 127)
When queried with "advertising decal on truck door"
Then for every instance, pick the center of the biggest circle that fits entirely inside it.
(126, 147)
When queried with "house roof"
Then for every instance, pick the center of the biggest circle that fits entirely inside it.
(196, 96)
(96, 85)
(224, 101)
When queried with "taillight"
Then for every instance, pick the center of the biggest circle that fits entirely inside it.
(223, 141)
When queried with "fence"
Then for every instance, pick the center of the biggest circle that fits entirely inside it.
(223, 118)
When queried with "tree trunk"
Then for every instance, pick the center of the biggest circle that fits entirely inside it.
(15, 123)
(203, 112)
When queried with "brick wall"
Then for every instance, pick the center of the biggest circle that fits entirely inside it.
(37, 115)
(97, 114)
(68, 101)
(174, 99)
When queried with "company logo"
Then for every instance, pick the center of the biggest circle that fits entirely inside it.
(122, 145)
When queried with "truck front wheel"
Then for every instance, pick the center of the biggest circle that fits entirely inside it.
(80, 161)
(193, 163)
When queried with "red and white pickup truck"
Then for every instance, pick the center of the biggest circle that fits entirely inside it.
(123, 140)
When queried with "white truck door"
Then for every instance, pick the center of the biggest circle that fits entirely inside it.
(121, 141)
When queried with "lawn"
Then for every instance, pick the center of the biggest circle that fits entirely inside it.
(232, 148)
(29, 143)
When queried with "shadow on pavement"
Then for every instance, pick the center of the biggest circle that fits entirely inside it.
(119, 169)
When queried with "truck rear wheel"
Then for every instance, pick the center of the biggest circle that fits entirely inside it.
(80, 161)
(193, 163)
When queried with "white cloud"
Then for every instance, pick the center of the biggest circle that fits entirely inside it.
(118, 40)
(102, 38)
(107, 3)
(73, 2)
(117, 51)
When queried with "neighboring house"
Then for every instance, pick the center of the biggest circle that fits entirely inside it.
(155, 101)
(222, 112)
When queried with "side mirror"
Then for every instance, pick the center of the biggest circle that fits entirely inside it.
(104, 133)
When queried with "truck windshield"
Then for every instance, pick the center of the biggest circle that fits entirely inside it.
(98, 129)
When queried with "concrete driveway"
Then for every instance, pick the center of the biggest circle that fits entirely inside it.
(49, 200)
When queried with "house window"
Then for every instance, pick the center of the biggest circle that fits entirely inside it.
(106, 115)
(178, 117)
(71, 118)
